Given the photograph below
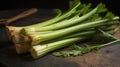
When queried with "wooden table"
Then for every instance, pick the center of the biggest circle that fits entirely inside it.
(106, 57)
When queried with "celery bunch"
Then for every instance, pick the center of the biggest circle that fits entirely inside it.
(66, 28)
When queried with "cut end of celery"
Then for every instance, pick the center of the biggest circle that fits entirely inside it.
(12, 31)
(20, 49)
(35, 39)
(33, 53)
(38, 51)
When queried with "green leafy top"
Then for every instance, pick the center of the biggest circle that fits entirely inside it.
(77, 50)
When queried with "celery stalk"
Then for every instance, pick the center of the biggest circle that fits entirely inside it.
(64, 23)
(40, 50)
(36, 39)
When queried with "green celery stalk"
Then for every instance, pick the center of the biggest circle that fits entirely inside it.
(58, 18)
(36, 39)
(12, 29)
(64, 23)
(21, 47)
(40, 50)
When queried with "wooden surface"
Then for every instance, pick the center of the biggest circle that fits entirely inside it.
(106, 57)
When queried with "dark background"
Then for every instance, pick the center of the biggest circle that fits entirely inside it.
(112, 5)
